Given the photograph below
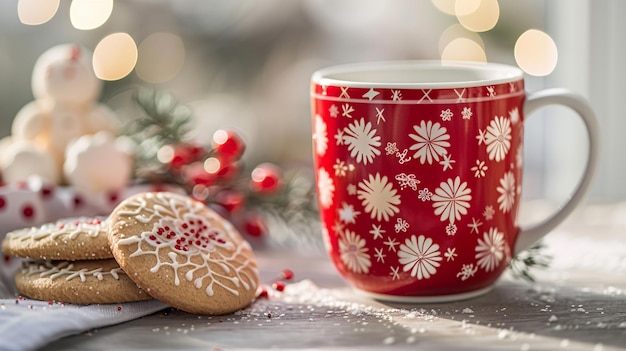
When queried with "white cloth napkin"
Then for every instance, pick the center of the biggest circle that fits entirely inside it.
(29, 324)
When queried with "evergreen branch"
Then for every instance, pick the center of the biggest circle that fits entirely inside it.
(522, 265)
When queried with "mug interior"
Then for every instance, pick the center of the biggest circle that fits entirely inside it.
(417, 74)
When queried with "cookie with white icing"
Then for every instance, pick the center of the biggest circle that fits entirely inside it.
(183, 253)
(81, 282)
(83, 238)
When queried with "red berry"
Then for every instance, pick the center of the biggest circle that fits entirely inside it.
(254, 225)
(221, 168)
(231, 200)
(265, 178)
(228, 170)
(228, 144)
(263, 294)
(195, 151)
(196, 174)
(288, 274)
(175, 156)
(278, 286)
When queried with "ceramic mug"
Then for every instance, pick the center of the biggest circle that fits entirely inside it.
(419, 171)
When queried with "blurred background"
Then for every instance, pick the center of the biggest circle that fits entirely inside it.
(245, 65)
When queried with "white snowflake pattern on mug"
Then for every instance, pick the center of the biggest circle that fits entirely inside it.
(498, 138)
(347, 213)
(514, 115)
(467, 112)
(480, 169)
(378, 197)
(346, 110)
(450, 254)
(424, 194)
(362, 141)
(507, 192)
(407, 180)
(325, 188)
(320, 136)
(451, 199)
(341, 168)
(420, 256)
(354, 253)
(446, 115)
(431, 142)
(467, 271)
(490, 249)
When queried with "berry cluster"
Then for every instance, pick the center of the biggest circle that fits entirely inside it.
(213, 175)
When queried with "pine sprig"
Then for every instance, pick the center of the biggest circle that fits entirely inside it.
(522, 265)
(161, 116)
(161, 120)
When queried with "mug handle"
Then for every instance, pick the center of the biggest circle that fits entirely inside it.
(531, 234)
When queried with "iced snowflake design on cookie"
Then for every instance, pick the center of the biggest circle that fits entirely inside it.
(183, 253)
(82, 282)
(70, 228)
(81, 238)
(69, 270)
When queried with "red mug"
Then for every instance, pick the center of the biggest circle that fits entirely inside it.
(419, 171)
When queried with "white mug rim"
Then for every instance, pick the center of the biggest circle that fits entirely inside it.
(487, 73)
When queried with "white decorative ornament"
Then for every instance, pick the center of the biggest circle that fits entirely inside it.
(21, 159)
(65, 108)
(96, 163)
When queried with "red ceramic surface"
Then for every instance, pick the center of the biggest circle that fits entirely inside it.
(419, 188)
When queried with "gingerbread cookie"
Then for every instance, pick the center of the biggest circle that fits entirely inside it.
(67, 239)
(183, 253)
(83, 282)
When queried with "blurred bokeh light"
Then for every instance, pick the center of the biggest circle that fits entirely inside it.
(90, 14)
(463, 49)
(536, 53)
(484, 16)
(445, 6)
(161, 57)
(466, 7)
(35, 12)
(115, 56)
(457, 31)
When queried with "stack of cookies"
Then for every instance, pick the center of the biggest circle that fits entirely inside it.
(153, 245)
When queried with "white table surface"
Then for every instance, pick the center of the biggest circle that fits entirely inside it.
(579, 303)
